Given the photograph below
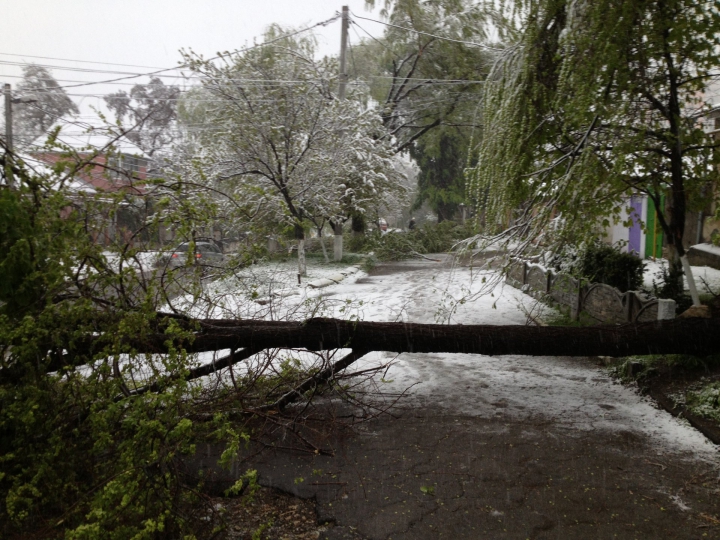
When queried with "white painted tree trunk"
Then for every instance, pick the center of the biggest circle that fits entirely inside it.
(302, 266)
(337, 247)
(691, 280)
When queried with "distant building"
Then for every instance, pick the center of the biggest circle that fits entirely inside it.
(113, 175)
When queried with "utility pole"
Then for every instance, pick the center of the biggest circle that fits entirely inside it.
(343, 52)
(338, 225)
(8, 118)
(8, 135)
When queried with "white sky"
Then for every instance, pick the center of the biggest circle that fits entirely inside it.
(150, 33)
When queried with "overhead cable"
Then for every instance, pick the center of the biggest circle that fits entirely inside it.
(238, 51)
(428, 34)
(79, 61)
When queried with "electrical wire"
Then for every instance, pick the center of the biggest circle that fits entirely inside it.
(90, 130)
(79, 61)
(428, 34)
(80, 69)
(373, 38)
(165, 70)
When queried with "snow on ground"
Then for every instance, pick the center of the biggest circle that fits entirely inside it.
(704, 276)
(567, 392)
(708, 248)
(266, 291)
(143, 261)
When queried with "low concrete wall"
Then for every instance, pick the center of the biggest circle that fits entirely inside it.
(603, 303)
(703, 257)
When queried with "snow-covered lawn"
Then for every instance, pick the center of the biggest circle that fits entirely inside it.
(704, 276)
(564, 391)
(267, 291)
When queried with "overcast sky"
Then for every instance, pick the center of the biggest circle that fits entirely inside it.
(149, 33)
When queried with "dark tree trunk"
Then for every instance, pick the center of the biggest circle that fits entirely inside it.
(337, 240)
(357, 224)
(699, 337)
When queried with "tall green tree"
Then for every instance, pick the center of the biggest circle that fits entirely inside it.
(426, 73)
(427, 69)
(442, 159)
(597, 100)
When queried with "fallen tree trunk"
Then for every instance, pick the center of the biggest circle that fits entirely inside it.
(699, 337)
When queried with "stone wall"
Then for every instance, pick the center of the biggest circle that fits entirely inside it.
(600, 302)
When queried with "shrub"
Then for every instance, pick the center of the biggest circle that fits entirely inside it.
(430, 238)
(604, 264)
(359, 243)
(706, 401)
(669, 283)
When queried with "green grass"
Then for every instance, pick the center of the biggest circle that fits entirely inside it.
(637, 368)
(705, 402)
(558, 318)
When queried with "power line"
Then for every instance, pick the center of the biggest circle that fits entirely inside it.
(80, 61)
(66, 80)
(79, 69)
(238, 51)
(373, 38)
(271, 83)
(258, 82)
(89, 70)
(200, 77)
(431, 35)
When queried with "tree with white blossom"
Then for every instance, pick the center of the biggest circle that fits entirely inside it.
(274, 133)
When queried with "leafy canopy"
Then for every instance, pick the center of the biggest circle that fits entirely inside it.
(594, 101)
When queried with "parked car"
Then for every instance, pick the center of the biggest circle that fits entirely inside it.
(205, 254)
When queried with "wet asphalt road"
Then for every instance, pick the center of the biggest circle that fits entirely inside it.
(491, 454)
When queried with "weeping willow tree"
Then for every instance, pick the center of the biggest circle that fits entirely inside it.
(594, 101)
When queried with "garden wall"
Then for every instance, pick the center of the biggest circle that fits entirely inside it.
(600, 302)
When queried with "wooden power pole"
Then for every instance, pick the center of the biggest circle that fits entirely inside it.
(343, 52)
(8, 118)
(8, 134)
(343, 77)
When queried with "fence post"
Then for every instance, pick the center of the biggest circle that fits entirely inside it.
(666, 309)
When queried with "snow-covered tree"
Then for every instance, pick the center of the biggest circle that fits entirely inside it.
(274, 133)
(42, 102)
(148, 113)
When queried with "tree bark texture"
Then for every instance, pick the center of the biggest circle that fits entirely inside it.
(337, 247)
(698, 337)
